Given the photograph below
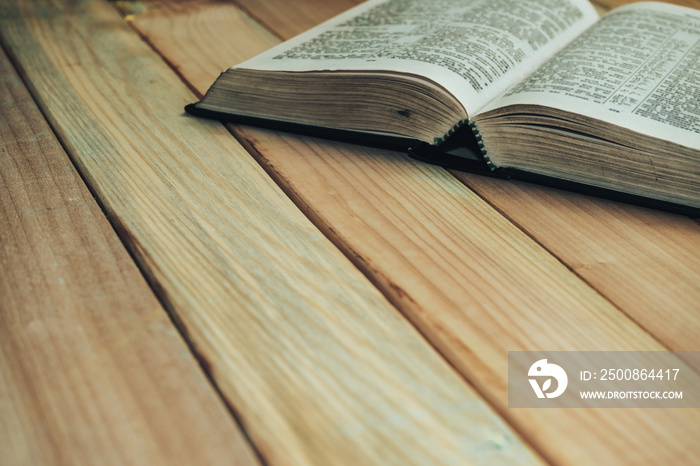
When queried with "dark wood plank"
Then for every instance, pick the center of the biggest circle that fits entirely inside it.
(92, 371)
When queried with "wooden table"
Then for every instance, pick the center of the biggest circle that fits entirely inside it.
(177, 291)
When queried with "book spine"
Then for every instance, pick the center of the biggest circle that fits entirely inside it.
(459, 124)
(482, 147)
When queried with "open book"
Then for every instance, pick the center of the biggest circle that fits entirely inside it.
(539, 90)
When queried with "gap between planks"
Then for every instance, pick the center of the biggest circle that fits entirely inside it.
(91, 355)
(130, 246)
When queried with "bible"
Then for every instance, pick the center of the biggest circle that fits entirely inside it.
(542, 91)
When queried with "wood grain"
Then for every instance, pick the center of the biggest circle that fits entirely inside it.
(287, 19)
(92, 371)
(319, 366)
(188, 19)
(646, 262)
(473, 283)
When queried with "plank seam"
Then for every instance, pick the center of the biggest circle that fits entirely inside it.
(357, 260)
(257, 19)
(147, 41)
(558, 259)
(131, 246)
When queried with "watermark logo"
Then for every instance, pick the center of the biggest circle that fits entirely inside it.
(542, 369)
(603, 379)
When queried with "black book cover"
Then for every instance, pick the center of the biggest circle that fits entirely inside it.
(437, 156)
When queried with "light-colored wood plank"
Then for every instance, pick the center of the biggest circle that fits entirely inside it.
(92, 371)
(646, 262)
(476, 287)
(215, 20)
(473, 283)
(319, 366)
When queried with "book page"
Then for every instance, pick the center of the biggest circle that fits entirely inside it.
(473, 48)
(638, 68)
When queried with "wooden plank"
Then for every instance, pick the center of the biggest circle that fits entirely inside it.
(92, 371)
(319, 366)
(644, 261)
(215, 20)
(287, 19)
(474, 284)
